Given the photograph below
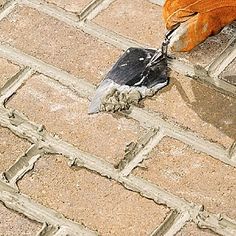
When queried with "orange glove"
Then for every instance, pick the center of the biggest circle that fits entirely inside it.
(199, 19)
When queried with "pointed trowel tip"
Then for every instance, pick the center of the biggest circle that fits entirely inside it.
(101, 92)
(93, 108)
(96, 102)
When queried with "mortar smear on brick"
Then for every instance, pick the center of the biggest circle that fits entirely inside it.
(7, 70)
(138, 20)
(191, 229)
(12, 223)
(71, 5)
(192, 175)
(197, 107)
(11, 148)
(65, 114)
(90, 199)
(59, 44)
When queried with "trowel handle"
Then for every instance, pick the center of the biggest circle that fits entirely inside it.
(168, 35)
(170, 32)
(164, 48)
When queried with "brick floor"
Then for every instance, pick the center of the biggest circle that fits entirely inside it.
(70, 5)
(58, 44)
(197, 107)
(66, 115)
(12, 223)
(7, 71)
(173, 171)
(194, 176)
(11, 148)
(192, 230)
(95, 201)
(139, 20)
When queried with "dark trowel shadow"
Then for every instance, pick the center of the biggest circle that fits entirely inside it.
(211, 106)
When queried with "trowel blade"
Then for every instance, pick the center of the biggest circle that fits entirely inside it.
(129, 81)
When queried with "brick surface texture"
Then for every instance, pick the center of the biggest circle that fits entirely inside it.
(12, 223)
(164, 167)
(90, 199)
(67, 116)
(192, 175)
(128, 18)
(192, 230)
(197, 107)
(7, 71)
(58, 44)
(71, 5)
(11, 148)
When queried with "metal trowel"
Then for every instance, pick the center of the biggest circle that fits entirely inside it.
(138, 73)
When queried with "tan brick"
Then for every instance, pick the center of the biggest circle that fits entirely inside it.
(12, 223)
(92, 200)
(57, 43)
(197, 107)
(138, 20)
(194, 176)
(11, 148)
(207, 51)
(67, 115)
(7, 70)
(229, 74)
(71, 5)
(192, 230)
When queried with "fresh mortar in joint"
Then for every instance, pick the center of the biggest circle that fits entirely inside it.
(121, 97)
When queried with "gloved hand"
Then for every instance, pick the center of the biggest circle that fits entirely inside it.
(198, 20)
